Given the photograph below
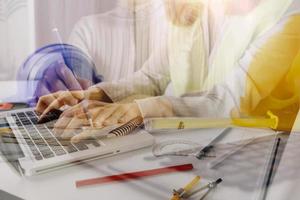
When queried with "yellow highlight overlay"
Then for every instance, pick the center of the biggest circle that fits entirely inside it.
(177, 194)
(152, 124)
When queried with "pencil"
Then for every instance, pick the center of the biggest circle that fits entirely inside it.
(133, 175)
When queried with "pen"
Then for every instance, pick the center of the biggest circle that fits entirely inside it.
(134, 175)
(270, 170)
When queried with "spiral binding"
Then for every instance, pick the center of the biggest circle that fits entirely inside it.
(127, 128)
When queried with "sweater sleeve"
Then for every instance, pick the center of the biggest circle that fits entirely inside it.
(252, 80)
(151, 80)
(215, 103)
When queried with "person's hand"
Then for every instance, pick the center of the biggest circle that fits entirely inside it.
(57, 100)
(60, 78)
(95, 115)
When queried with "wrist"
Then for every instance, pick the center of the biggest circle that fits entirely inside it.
(155, 107)
(96, 93)
(138, 109)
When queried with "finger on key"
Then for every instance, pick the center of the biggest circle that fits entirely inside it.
(61, 124)
(66, 98)
(74, 124)
(104, 114)
(115, 117)
(44, 102)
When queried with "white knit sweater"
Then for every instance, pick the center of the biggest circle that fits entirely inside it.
(121, 40)
(217, 102)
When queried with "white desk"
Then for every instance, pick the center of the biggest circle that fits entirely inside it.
(16, 91)
(8, 89)
(61, 184)
(287, 179)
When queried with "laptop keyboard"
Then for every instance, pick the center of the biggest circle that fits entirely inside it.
(40, 139)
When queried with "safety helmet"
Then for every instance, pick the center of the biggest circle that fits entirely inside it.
(33, 69)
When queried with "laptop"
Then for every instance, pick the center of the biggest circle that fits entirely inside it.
(33, 149)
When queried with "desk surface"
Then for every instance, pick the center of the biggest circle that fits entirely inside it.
(61, 184)
(287, 179)
(8, 90)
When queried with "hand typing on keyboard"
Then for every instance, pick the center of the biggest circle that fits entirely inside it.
(56, 101)
(40, 139)
(95, 115)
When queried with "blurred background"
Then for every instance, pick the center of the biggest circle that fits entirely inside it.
(26, 25)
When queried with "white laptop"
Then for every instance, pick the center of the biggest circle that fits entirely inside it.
(39, 151)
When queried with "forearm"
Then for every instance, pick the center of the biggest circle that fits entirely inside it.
(137, 85)
(217, 103)
(151, 80)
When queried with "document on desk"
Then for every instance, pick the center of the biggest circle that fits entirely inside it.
(243, 172)
(287, 178)
(7, 196)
